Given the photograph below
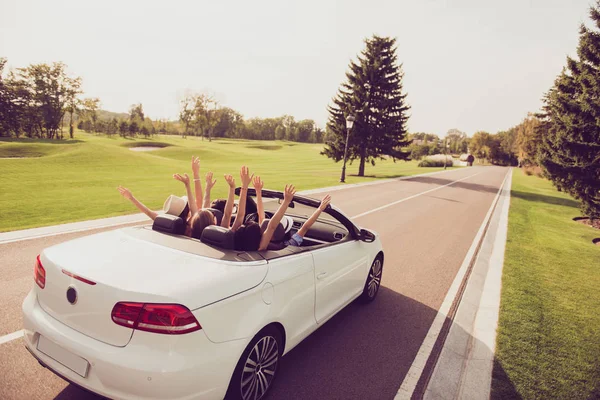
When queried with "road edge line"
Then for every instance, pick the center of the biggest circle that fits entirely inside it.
(11, 336)
(413, 375)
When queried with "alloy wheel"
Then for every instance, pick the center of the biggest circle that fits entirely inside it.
(374, 278)
(259, 369)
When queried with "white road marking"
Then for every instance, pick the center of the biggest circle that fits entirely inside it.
(416, 369)
(411, 197)
(11, 336)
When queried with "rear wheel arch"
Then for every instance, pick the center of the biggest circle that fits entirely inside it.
(380, 255)
(281, 330)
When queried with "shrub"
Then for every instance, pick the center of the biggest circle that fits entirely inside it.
(533, 170)
(437, 160)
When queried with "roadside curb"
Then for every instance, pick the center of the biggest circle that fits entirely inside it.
(464, 367)
(81, 226)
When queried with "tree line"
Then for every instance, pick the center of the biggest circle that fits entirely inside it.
(41, 100)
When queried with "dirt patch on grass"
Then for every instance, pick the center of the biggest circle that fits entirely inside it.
(145, 148)
(265, 146)
(586, 221)
(151, 145)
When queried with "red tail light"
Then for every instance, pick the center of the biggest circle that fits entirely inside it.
(171, 319)
(39, 273)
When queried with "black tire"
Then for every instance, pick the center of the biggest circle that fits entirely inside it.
(251, 377)
(373, 282)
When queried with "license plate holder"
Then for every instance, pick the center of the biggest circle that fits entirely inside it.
(77, 364)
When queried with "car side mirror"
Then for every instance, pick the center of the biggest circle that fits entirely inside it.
(367, 236)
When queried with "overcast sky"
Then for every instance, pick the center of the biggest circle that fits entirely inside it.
(469, 64)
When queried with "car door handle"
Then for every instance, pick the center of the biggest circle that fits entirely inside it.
(321, 275)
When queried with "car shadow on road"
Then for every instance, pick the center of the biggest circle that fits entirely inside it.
(462, 185)
(364, 352)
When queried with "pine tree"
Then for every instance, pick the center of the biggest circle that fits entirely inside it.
(570, 148)
(373, 94)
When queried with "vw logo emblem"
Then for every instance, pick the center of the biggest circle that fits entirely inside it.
(72, 295)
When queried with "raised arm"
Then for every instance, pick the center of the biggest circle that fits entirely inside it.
(258, 185)
(185, 179)
(140, 206)
(197, 181)
(210, 182)
(309, 222)
(288, 196)
(230, 198)
(239, 217)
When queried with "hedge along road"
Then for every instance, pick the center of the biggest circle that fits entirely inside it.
(427, 224)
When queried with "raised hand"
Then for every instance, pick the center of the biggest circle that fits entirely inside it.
(125, 192)
(289, 192)
(257, 183)
(182, 178)
(210, 182)
(325, 202)
(230, 180)
(196, 165)
(245, 176)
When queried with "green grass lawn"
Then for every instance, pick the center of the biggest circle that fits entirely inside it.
(548, 344)
(66, 181)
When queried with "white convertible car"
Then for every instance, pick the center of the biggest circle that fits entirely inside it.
(147, 313)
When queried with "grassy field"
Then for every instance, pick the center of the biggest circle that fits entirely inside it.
(548, 344)
(64, 181)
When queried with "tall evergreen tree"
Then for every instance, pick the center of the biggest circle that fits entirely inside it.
(570, 149)
(373, 94)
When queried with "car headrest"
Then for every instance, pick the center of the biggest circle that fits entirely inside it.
(282, 229)
(218, 236)
(216, 213)
(169, 224)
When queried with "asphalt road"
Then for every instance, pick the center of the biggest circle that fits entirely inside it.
(365, 351)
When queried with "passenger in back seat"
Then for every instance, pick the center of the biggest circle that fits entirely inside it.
(249, 236)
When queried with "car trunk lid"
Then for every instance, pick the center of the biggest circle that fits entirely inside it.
(122, 266)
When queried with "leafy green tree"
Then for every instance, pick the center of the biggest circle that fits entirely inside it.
(123, 128)
(89, 110)
(73, 102)
(305, 128)
(481, 145)
(134, 128)
(10, 112)
(145, 131)
(528, 140)
(136, 113)
(112, 127)
(373, 94)
(457, 141)
(570, 149)
(40, 95)
(186, 113)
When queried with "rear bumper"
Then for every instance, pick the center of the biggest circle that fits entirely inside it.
(151, 366)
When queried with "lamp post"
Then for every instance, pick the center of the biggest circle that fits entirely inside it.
(349, 123)
(446, 153)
